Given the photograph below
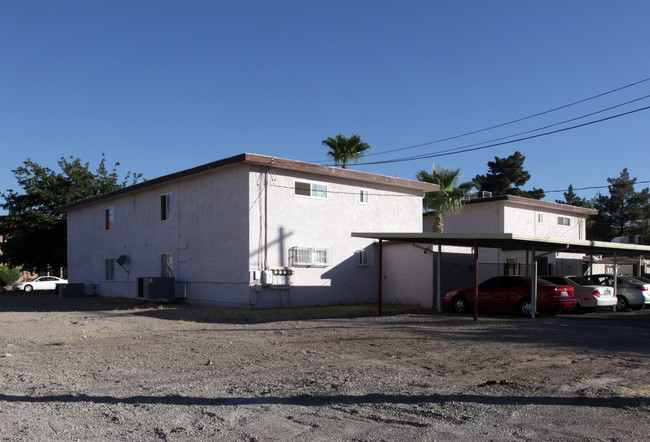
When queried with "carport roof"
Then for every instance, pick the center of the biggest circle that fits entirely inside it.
(512, 241)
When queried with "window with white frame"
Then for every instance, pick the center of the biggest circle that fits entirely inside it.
(165, 207)
(309, 257)
(109, 218)
(563, 221)
(364, 258)
(363, 196)
(167, 265)
(109, 264)
(310, 189)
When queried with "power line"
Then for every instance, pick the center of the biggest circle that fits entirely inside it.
(506, 123)
(591, 187)
(446, 153)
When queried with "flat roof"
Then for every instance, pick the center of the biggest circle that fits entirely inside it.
(512, 241)
(533, 203)
(265, 161)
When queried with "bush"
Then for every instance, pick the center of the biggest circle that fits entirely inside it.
(8, 275)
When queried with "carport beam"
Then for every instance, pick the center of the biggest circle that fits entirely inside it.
(439, 300)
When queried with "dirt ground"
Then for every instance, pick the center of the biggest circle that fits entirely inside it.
(105, 369)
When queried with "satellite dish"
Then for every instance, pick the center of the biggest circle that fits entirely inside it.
(123, 259)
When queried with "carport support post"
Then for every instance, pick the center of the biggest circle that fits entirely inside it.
(475, 281)
(381, 271)
(615, 281)
(533, 286)
(439, 300)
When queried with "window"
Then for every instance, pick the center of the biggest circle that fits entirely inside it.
(310, 189)
(540, 217)
(110, 269)
(109, 219)
(364, 258)
(167, 265)
(166, 207)
(363, 196)
(309, 257)
(563, 221)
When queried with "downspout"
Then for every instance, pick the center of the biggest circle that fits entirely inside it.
(266, 218)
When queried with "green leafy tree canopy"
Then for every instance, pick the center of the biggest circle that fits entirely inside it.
(623, 212)
(33, 231)
(506, 176)
(450, 196)
(345, 150)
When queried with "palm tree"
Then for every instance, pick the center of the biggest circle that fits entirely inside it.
(344, 149)
(450, 196)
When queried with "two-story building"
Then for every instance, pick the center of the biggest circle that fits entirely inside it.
(250, 230)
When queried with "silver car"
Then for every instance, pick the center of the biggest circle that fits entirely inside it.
(590, 296)
(40, 283)
(630, 292)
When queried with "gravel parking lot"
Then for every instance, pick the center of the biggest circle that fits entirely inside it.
(106, 369)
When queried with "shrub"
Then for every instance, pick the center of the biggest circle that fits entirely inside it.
(8, 275)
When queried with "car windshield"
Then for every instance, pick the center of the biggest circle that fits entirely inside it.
(541, 281)
(555, 280)
(630, 280)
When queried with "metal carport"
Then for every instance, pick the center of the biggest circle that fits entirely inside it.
(503, 241)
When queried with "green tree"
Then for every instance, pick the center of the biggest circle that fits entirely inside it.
(620, 213)
(34, 231)
(345, 150)
(506, 176)
(449, 199)
(572, 199)
(8, 275)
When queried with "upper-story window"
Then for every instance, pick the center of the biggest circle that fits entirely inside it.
(311, 189)
(363, 196)
(563, 221)
(540, 217)
(165, 207)
(109, 218)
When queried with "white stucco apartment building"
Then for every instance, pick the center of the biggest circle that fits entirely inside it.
(246, 231)
(525, 216)
(409, 274)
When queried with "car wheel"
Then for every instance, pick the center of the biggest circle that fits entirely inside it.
(459, 304)
(638, 307)
(526, 306)
(28, 288)
(621, 303)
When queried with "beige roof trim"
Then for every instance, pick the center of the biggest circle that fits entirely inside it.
(530, 202)
(265, 161)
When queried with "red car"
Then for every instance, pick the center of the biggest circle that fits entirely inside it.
(513, 293)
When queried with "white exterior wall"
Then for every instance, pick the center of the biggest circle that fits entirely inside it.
(327, 223)
(205, 234)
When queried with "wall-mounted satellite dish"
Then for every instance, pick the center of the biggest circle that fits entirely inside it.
(123, 259)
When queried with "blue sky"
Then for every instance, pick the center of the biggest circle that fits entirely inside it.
(162, 86)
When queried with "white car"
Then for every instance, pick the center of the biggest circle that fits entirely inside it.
(40, 283)
(631, 292)
(590, 296)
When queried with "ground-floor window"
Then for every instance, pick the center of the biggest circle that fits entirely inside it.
(110, 269)
(167, 264)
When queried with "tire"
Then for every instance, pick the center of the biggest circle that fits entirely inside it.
(526, 306)
(622, 303)
(28, 288)
(459, 304)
